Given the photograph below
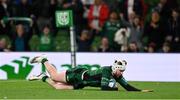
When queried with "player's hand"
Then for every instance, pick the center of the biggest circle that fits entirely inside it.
(146, 90)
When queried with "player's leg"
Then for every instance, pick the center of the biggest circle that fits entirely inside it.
(45, 78)
(59, 85)
(37, 77)
(61, 77)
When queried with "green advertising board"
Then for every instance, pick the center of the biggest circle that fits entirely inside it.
(64, 18)
(20, 68)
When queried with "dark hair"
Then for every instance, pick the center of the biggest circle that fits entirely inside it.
(176, 10)
(46, 26)
(113, 11)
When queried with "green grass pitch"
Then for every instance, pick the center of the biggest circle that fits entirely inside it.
(22, 89)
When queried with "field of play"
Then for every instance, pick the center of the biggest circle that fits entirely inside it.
(23, 89)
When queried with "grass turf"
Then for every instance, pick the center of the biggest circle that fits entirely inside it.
(22, 89)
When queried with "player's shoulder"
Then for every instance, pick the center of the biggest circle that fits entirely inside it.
(107, 71)
(106, 68)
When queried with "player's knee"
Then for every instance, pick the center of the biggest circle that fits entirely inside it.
(57, 88)
(54, 77)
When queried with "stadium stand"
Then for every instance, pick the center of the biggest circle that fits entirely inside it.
(154, 25)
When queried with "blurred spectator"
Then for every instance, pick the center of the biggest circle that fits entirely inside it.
(174, 30)
(151, 48)
(55, 5)
(46, 40)
(97, 15)
(86, 6)
(23, 9)
(113, 4)
(19, 1)
(20, 39)
(131, 17)
(166, 48)
(84, 41)
(161, 29)
(164, 8)
(153, 30)
(136, 31)
(104, 47)
(133, 47)
(124, 48)
(111, 26)
(34, 43)
(87, 2)
(77, 7)
(4, 47)
(121, 38)
(127, 7)
(42, 10)
(5, 11)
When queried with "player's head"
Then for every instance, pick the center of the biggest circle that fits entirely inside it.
(118, 67)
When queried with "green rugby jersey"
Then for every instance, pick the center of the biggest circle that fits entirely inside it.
(80, 77)
(101, 78)
(74, 76)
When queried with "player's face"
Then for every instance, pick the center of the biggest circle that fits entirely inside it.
(118, 73)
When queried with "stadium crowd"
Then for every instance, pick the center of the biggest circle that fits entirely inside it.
(112, 25)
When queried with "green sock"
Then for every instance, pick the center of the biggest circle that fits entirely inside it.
(44, 78)
(44, 60)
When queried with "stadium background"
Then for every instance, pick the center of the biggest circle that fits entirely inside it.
(149, 42)
(152, 24)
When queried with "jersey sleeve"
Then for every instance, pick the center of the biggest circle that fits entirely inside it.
(121, 80)
(106, 77)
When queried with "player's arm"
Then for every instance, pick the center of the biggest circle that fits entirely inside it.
(107, 82)
(125, 84)
(121, 80)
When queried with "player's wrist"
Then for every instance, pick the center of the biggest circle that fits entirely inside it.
(146, 90)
